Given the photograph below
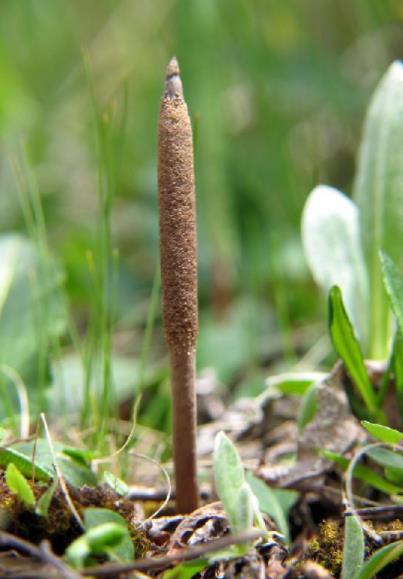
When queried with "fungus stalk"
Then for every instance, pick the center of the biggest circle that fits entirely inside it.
(178, 248)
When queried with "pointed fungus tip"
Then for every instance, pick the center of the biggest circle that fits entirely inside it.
(173, 83)
(173, 67)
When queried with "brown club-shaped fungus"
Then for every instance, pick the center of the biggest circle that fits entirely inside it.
(178, 249)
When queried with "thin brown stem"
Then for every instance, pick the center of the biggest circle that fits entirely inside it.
(184, 431)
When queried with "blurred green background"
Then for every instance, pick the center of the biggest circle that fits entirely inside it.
(277, 93)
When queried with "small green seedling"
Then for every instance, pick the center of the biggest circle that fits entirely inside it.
(117, 484)
(106, 534)
(100, 540)
(19, 485)
(239, 501)
(43, 504)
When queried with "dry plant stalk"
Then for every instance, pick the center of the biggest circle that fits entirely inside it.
(178, 248)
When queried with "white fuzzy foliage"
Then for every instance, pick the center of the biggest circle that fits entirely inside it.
(332, 246)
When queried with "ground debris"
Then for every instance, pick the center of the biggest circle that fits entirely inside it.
(333, 428)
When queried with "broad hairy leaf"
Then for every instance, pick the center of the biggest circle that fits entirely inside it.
(245, 510)
(332, 246)
(229, 475)
(353, 549)
(348, 348)
(239, 501)
(378, 192)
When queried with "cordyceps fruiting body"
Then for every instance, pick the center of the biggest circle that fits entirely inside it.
(178, 248)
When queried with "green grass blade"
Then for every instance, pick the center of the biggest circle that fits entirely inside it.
(275, 502)
(364, 474)
(383, 433)
(380, 559)
(348, 348)
(386, 458)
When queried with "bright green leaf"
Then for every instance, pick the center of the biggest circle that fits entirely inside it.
(186, 570)
(43, 504)
(383, 433)
(395, 475)
(386, 457)
(19, 485)
(380, 559)
(24, 464)
(117, 484)
(80, 455)
(363, 473)
(275, 502)
(104, 537)
(348, 348)
(73, 471)
(94, 517)
(77, 552)
(293, 383)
